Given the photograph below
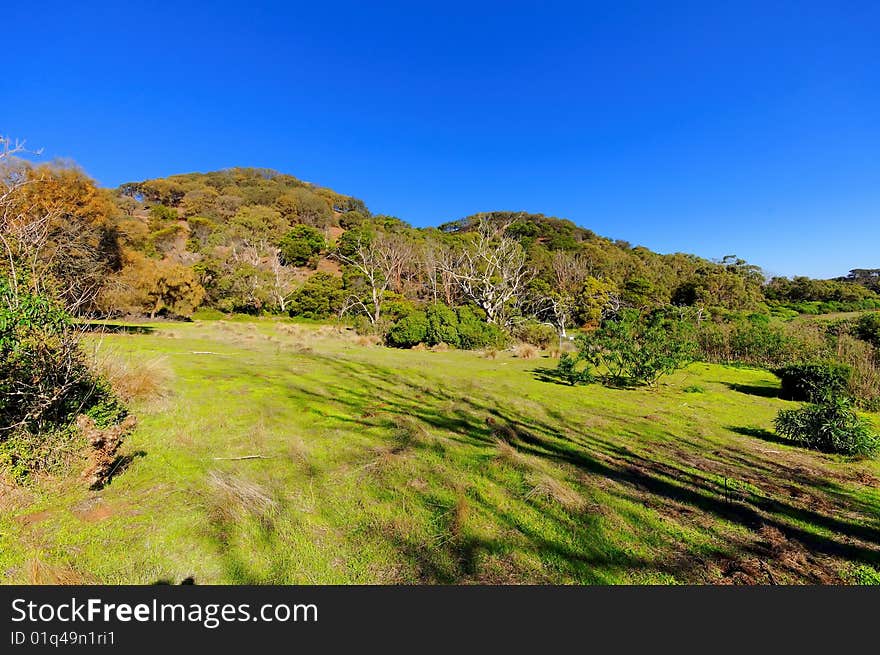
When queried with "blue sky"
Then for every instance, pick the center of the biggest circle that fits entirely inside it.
(748, 128)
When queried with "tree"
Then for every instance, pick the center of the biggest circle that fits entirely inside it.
(378, 260)
(56, 231)
(154, 287)
(633, 349)
(303, 206)
(321, 296)
(491, 271)
(298, 246)
(284, 281)
(573, 295)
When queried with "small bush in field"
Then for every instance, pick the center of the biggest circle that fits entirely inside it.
(568, 370)
(409, 331)
(813, 381)
(868, 328)
(537, 334)
(632, 349)
(830, 426)
(525, 351)
(694, 388)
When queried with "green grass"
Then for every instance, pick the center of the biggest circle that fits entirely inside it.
(392, 466)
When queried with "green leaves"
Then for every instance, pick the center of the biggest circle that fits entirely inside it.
(830, 426)
(632, 350)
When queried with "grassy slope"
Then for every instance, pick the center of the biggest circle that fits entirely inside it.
(385, 466)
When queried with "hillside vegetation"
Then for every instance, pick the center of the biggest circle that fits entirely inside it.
(240, 376)
(383, 465)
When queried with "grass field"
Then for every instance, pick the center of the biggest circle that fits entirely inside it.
(378, 465)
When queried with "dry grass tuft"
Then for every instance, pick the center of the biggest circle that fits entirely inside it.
(408, 432)
(489, 353)
(368, 340)
(43, 573)
(136, 381)
(508, 454)
(460, 514)
(525, 351)
(440, 348)
(556, 491)
(420, 347)
(237, 497)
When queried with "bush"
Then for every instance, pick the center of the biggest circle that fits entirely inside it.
(43, 376)
(537, 334)
(299, 246)
(44, 384)
(442, 326)
(632, 349)
(460, 327)
(409, 331)
(568, 370)
(475, 332)
(868, 328)
(831, 426)
(813, 381)
(749, 341)
(320, 297)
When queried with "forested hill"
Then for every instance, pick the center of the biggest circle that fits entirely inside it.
(255, 241)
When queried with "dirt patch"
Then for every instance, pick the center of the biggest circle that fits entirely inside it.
(773, 559)
(35, 517)
(92, 510)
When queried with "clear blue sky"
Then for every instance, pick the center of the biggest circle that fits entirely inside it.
(716, 128)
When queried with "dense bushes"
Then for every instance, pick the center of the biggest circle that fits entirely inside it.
(750, 339)
(299, 246)
(321, 296)
(44, 383)
(537, 334)
(41, 369)
(814, 381)
(631, 349)
(461, 327)
(868, 328)
(831, 426)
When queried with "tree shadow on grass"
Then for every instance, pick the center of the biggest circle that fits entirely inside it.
(610, 466)
(762, 390)
(758, 433)
(544, 374)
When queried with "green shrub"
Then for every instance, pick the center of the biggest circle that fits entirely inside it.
(442, 326)
(461, 327)
(299, 246)
(632, 349)
(694, 388)
(475, 332)
(537, 334)
(409, 331)
(321, 296)
(868, 328)
(568, 370)
(832, 426)
(44, 384)
(813, 381)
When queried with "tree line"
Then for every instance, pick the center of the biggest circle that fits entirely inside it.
(256, 241)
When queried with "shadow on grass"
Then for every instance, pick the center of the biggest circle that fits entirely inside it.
(764, 391)
(116, 328)
(185, 581)
(543, 374)
(758, 433)
(573, 546)
(121, 463)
